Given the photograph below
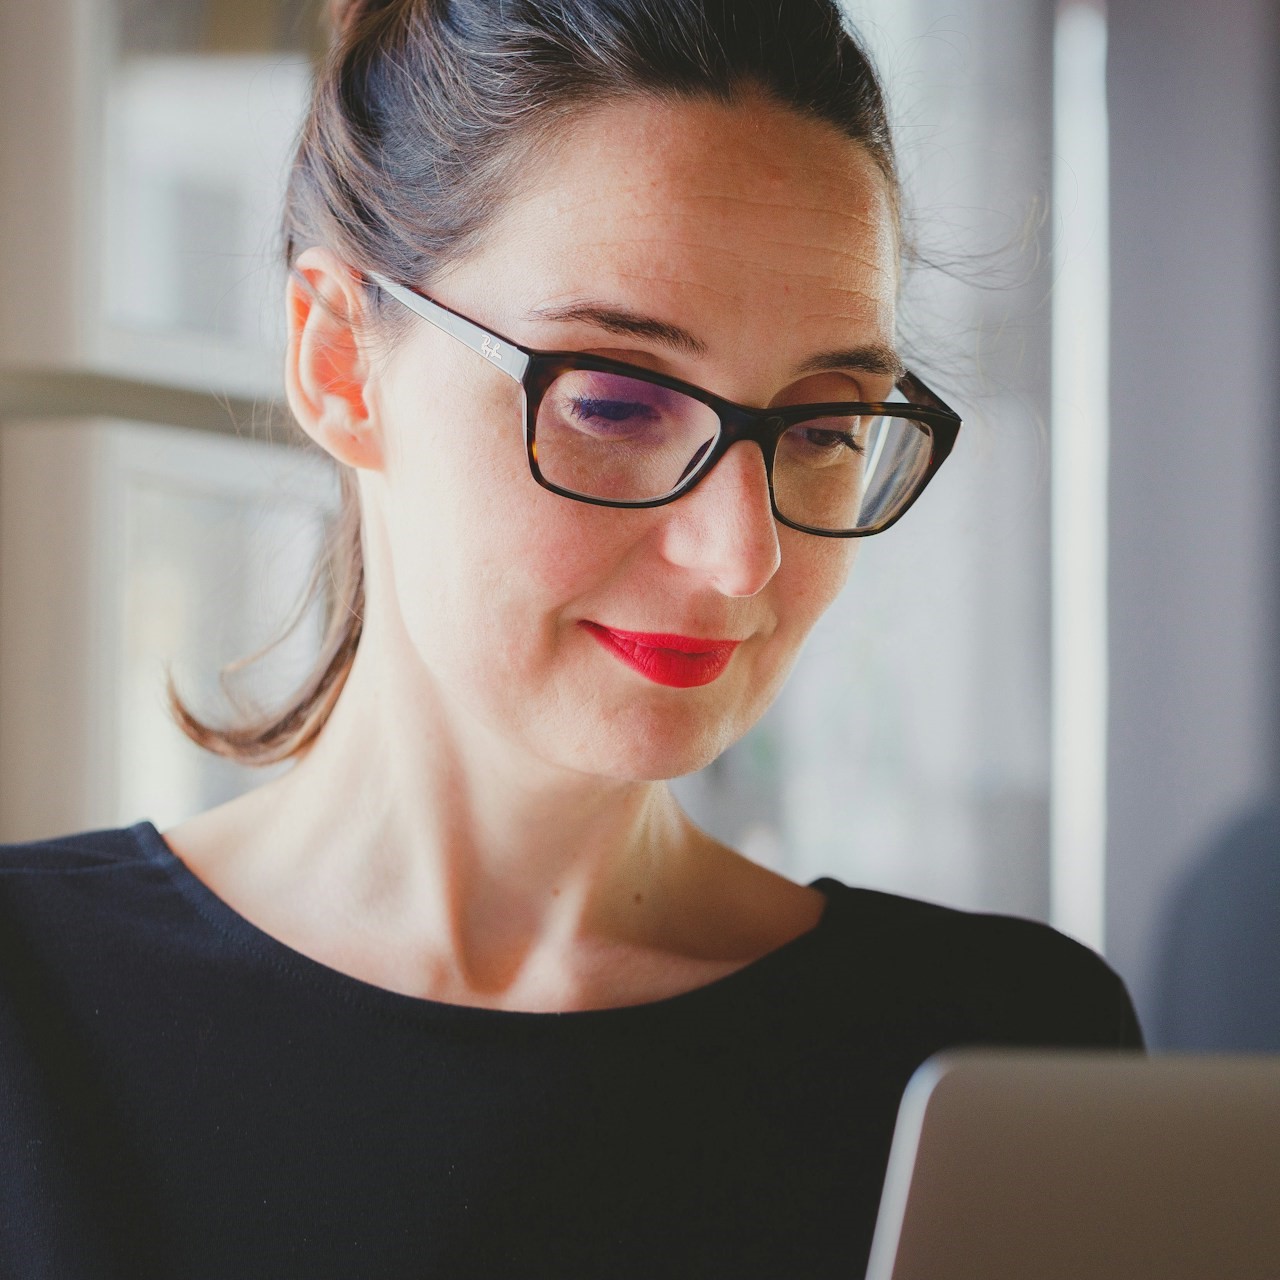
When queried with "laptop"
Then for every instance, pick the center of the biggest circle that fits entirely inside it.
(1063, 1165)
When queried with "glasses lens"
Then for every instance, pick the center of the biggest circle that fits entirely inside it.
(604, 435)
(847, 473)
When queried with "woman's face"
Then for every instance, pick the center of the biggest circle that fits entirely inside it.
(731, 245)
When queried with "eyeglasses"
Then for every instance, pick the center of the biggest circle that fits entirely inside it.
(616, 435)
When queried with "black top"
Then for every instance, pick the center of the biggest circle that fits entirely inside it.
(183, 1096)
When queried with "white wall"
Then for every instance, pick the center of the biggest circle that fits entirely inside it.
(44, 178)
(1193, 509)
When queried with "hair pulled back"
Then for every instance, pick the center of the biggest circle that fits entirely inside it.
(423, 121)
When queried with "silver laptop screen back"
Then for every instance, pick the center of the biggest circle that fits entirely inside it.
(1023, 1165)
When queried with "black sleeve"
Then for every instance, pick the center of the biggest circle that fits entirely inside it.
(1081, 992)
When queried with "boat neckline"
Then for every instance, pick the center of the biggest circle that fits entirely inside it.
(280, 955)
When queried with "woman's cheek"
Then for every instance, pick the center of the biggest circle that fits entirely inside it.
(570, 549)
(820, 575)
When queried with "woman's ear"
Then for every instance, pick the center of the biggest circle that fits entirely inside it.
(326, 367)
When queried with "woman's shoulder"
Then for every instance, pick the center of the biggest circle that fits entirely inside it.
(55, 878)
(1005, 973)
(66, 864)
(106, 847)
(920, 922)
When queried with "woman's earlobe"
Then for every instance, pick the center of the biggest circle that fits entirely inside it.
(326, 369)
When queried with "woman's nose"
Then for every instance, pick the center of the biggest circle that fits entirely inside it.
(724, 527)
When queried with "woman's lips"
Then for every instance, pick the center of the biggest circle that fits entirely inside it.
(679, 661)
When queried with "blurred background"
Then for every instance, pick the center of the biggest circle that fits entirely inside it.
(1053, 689)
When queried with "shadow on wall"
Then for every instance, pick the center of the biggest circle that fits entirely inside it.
(1218, 968)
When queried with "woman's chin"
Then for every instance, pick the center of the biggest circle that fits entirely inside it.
(652, 749)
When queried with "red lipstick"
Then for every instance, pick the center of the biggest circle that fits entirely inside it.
(682, 662)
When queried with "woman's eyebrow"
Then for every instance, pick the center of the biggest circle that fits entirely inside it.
(871, 357)
(621, 320)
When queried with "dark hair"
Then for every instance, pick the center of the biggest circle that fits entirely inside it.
(421, 125)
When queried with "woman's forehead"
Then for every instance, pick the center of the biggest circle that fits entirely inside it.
(710, 206)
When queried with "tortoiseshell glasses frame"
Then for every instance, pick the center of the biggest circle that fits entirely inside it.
(536, 370)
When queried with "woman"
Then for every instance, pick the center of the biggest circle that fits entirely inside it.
(464, 993)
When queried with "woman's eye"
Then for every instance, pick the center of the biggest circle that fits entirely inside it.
(597, 413)
(830, 440)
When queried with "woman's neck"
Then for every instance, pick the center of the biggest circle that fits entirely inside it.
(414, 848)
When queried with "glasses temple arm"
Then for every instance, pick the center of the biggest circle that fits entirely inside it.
(498, 351)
